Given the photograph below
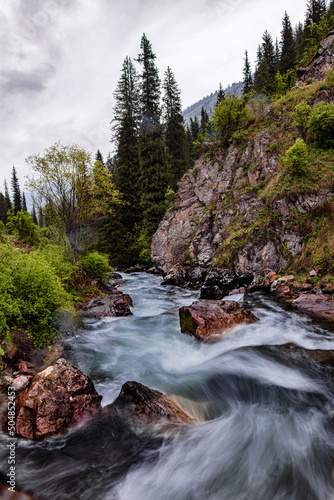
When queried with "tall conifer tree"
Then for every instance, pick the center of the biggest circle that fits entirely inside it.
(248, 80)
(24, 203)
(17, 199)
(264, 79)
(175, 138)
(220, 94)
(152, 154)
(288, 46)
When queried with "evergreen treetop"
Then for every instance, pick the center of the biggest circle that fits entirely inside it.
(17, 200)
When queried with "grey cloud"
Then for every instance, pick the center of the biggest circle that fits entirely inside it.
(16, 81)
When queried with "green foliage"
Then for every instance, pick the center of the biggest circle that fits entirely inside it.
(301, 117)
(297, 158)
(95, 264)
(31, 295)
(17, 199)
(170, 198)
(230, 115)
(22, 226)
(321, 125)
(59, 259)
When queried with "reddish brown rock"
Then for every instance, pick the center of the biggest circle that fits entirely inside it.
(141, 405)
(317, 306)
(57, 398)
(116, 304)
(269, 279)
(207, 319)
(283, 287)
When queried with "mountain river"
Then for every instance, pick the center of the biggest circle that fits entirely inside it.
(264, 426)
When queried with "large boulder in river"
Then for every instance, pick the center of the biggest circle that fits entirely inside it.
(318, 306)
(207, 320)
(57, 398)
(116, 304)
(141, 405)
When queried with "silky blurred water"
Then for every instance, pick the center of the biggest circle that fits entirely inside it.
(264, 430)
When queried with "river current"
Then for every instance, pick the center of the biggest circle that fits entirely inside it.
(264, 428)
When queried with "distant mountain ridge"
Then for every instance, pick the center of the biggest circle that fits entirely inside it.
(209, 102)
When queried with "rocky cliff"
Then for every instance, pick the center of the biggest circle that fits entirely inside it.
(240, 213)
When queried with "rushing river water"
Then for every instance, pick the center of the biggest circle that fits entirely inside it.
(264, 430)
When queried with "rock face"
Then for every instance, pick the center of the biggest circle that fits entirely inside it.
(317, 306)
(58, 397)
(141, 405)
(207, 320)
(212, 205)
(321, 63)
(116, 304)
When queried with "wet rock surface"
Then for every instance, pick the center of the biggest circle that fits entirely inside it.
(316, 305)
(116, 304)
(57, 398)
(207, 320)
(321, 63)
(140, 405)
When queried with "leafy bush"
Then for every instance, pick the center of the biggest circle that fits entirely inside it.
(321, 125)
(296, 158)
(301, 118)
(31, 295)
(230, 115)
(58, 259)
(23, 227)
(95, 264)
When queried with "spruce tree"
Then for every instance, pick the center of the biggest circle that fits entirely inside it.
(299, 39)
(99, 157)
(3, 211)
(248, 80)
(315, 10)
(34, 216)
(194, 128)
(117, 231)
(288, 46)
(8, 203)
(175, 137)
(152, 154)
(204, 121)
(220, 94)
(17, 199)
(264, 79)
(24, 203)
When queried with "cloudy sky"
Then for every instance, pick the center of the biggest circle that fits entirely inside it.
(60, 61)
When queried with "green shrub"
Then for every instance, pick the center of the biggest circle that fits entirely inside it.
(58, 259)
(31, 295)
(95, 264)
(22, 226)
(301, 117)
(321, 125)
(296, 158)
(145, 256)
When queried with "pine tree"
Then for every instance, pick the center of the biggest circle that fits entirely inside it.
(34, 216)
(288, 46)
(315, 10)
(24, 203)
(204, 121)
(99, 157)
(299, 38)
(149, 87)
(175, 138)
(264, 79)
(117, 230)
(8, 203)
(220, 94)
(152, 154)
(194, 128)
(248, 80)
(17, 200)
(3, 211)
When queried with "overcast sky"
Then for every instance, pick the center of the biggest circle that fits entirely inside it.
(60, 61)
